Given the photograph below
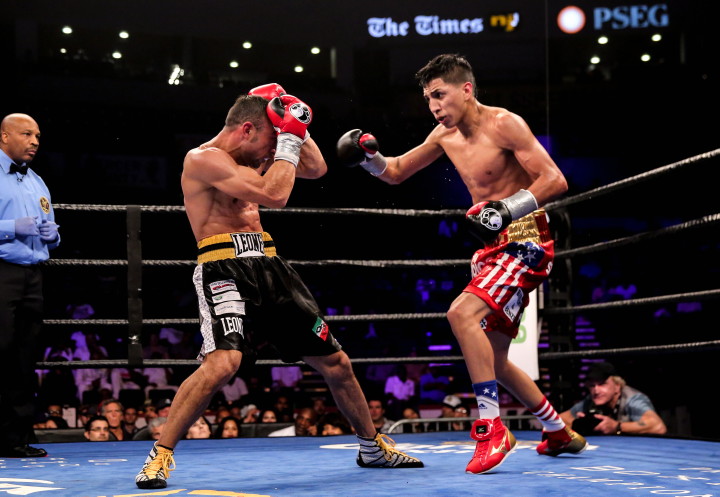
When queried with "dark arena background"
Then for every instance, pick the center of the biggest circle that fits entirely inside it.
(627, 106)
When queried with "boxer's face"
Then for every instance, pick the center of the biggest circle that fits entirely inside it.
(262, 146)
(446, 101)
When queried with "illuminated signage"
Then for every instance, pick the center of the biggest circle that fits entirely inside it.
(632, 16)
(571, 19)
(380, 27)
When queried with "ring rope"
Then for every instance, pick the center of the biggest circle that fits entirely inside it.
(691, 346)
(343, 318)
(678, 297)
(591, 194)
(111, 363)
(648, 235)
(704, 221)
(327, 262)
(411, 212)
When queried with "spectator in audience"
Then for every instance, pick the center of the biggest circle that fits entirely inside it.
(399, 392)
(268, 416)
(156, 426)
(334, 423)
(149, 413)
(91, 382)
(412, 413)
(83, 414)
(158, 378)
(283, 408)
(97, 429)
(222, 412)
(319, 405)
(55, 422)
(152, 431)
(126, 379)
(228, 427)
(156, 346)
(461, 411)
(163, 407)
(235, 389)
(249, 413)
(112, 409)
(286, 378)
(433, 386)
(201, 428)
(130, 418)
(377, 413)
(305, 425)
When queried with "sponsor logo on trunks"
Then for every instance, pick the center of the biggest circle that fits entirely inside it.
(222, 286)
(224, 297)
(483, 323)
(248, 244)
(514, 306)
(232, 325)
(321, 328)
(232, 307)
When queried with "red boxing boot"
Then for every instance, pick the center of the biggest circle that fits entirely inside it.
(494, 444)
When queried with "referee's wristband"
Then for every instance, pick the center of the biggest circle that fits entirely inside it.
(619, 429)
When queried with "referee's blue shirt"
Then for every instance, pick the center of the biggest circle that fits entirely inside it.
(29, 197)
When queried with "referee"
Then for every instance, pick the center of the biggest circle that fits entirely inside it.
(27, 233)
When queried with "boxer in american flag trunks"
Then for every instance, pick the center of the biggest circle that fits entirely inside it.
(509, 175)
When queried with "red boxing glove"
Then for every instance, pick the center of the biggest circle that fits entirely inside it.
(268, 91)
(289, 114)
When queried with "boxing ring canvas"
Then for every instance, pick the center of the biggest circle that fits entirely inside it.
(325, 467)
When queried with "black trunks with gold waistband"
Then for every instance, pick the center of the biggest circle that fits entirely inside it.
(234, 245)
(532, 227)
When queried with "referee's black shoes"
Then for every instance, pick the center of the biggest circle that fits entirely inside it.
(22, 451)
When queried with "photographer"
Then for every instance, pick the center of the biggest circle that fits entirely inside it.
(612, 408)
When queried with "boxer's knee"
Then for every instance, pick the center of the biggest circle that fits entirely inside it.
(221, 365)
(466, 310)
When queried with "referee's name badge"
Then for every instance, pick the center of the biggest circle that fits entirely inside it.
(248, 244)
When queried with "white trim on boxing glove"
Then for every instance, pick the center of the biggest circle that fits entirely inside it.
(375, 164)
(288, 148)
(520, 204)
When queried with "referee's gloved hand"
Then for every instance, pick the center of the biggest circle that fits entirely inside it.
(48, 231)
(26, 226)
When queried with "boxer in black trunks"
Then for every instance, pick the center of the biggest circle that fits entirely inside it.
(246, 291)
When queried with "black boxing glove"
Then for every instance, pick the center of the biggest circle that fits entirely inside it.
(491, 217)
(356, 148)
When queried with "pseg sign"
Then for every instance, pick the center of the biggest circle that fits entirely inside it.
(572, 19)
(380, 27)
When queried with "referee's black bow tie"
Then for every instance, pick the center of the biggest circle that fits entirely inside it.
(14, 168)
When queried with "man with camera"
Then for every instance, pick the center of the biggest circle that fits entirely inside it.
(612, 407)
